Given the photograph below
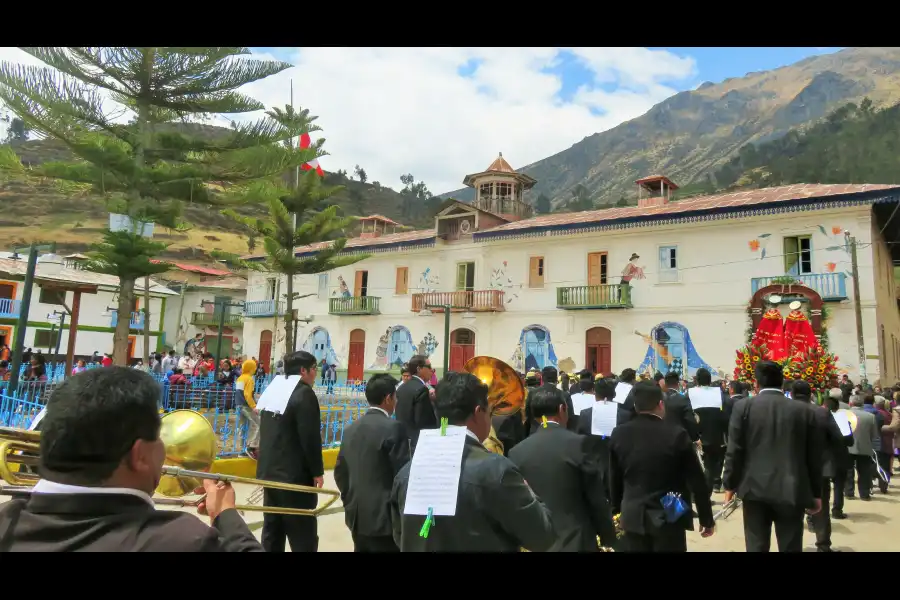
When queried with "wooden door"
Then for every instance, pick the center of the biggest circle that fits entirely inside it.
(7, 291)
(361, 284)
(265, 348)
(597, 268)
(401, 286)
(357, 356)
(462, 348)
(598, 350)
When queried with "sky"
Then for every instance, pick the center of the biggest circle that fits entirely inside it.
(441, 113)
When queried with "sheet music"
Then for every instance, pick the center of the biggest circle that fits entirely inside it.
(37, 419)
(434, 474)
(705, 397)
(581, 402)
(603, 418)
(843, 423)
(622, 391)
(275, 398)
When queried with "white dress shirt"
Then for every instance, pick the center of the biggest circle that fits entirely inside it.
(45, 486)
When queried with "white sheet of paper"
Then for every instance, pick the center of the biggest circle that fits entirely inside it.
(275, 398)
(434, 474)
(581, 402)
(603, 418)
(622, 391)
(37, 419)
(705, 397)
(843, 423)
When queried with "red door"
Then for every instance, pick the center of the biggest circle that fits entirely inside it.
(598, 354)
(355, 366)
(462, 348)
(265, 349)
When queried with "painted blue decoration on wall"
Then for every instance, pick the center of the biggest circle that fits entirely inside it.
(669, 347)
(535, 349)
(395, 347)
(318, 343)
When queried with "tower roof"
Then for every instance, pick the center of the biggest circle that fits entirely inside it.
(501, 166)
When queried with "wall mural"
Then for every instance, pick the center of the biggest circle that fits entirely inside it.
(534, 350)
(342, 288)
(501, 281)
(428, 281)
(632, 270)
(427, 345)
(669, 346)
(318, 343)
(196, 345)
(395, 347)
(835, 236)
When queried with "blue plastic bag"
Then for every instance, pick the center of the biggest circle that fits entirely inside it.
(673, 507)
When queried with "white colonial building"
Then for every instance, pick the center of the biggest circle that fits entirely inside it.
(549, 289)
(193, 319)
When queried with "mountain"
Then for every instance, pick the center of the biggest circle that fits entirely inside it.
(693, 133)
(48, 210)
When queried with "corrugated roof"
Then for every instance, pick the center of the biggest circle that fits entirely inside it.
(226, 283)
(748, 198)
(380, 218)
(19, 267)
(194, 268)
(393, 238)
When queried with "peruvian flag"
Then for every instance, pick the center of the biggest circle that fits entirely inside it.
(305, 143)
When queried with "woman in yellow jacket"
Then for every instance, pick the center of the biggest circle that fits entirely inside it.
(243, 397)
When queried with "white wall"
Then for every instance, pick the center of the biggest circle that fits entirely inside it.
(716, 264)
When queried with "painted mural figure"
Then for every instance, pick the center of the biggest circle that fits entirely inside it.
(500, 281)
(381, 350)
(632, 270)
(395, 348)
(343, 289)
(534, 350)
(427, 281)
(669, 348)
(428, 345)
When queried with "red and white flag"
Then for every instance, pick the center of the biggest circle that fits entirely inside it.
(305, 143)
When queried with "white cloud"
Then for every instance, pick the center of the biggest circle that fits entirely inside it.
(408, 110)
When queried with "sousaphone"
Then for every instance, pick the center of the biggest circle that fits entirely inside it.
(506, 393)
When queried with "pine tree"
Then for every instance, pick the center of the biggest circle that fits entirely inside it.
(148, 166)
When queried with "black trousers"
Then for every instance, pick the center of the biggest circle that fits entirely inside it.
(301, 532)
(713, 462)
(884, 461)
(822, 520)
(840, 481)
(863, 469)
(374, 543)
(670, 538)
(758, 520)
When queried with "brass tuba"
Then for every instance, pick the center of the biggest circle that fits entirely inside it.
(506, 393)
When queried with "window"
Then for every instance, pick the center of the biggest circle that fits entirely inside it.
(536, 272)
(401, 285)
(597, 262)
(798, 255)
(361, 287)
(270, 289)
(504, 190)
(668, 264)
(465, 277)
(45, 338)
(486, 190)
(323, 286)
(52, 297)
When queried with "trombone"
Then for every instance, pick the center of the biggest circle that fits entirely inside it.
(191, 447)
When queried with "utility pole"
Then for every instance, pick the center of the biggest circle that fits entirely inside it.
(275, 328)
(184, 288)
(857, 307)
(146, 321)
(220, 306)
(22, 322)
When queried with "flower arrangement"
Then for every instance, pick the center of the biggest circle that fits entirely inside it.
(816, 366)
(747, 357)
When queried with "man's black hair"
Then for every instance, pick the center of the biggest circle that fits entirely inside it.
(800, 390)
(657, 377)
(769, 374)
(457, 395)
(171, 352)
(703, 377)
(545, 402)
(868, 398)
(736, 387)
(417, 362)
(93, 419)
(549, 375)
(295, 361)
(672, 378)
(532, 380)
(628, 376)
(646, 395)
(379, 387)
(586, 385)
(586, 374)
(604, 389)
(404, 369)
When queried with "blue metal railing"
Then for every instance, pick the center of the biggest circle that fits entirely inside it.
(136, 322)
(830, 286)
(9, 309)
(262, 308)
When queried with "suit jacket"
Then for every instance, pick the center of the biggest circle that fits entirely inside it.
(510, 430)
(496, 511)
(625, 413)
(531, 424)
(114, 523)
(774, 454)
(679, 412)
(572, 424)
(867, 436)
(414, 409)
(373, 451)
(713, 424)
(648, 458)
(290, 444)
(598, 445)
(560, 468)
(836, 458)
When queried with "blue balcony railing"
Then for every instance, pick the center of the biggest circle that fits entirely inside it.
(262, 308)
(832, 287)
(9, 309)
(137, 320)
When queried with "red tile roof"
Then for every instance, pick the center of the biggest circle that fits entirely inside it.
(393, 238)
(380, 218)
(195, 268)
(747, 198)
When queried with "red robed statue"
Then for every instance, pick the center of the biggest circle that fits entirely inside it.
(798, 334)
(771, 333)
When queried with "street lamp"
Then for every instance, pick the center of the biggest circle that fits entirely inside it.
(426, 312)
(220, 306)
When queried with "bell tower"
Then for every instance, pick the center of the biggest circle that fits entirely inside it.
(500, 190)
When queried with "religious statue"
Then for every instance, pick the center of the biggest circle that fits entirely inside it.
(798, 333)
(771, 333)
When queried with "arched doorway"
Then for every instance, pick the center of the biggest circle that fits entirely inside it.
(462, 348)
(320, 343)
(357, 355)
(265, 348)
(598, 350)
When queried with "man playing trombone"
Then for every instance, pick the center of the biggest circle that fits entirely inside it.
(101, 459)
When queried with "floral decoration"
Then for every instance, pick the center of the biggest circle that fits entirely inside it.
(817, 366)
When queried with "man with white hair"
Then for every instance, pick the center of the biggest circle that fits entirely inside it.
(838, 395)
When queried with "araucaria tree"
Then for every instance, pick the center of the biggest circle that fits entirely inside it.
(149, 166)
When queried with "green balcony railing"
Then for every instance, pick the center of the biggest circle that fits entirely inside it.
(354, 305)
(212, 319)
(614, 295)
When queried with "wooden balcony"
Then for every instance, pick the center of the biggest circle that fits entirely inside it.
(212, 319)
(262, 308)
(583, 297)
(354, 305)
(474, 301)
(832, 287)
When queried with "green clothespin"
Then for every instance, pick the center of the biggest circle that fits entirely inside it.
(429, 521)
(444, 424)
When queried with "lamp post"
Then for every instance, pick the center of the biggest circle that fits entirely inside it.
(426, 312)
(220, 305)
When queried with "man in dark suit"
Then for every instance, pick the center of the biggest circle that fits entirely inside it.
(866, 440)
(496, 511)
(290, 451)
(648, 459)
(373, 450)
(550, 378)
(414, 408)
(678, 406)
(559, 466)
(774, 463)
(713, 427)
(736, 391)
(626, 410)
(101, 460)
(604, 390)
